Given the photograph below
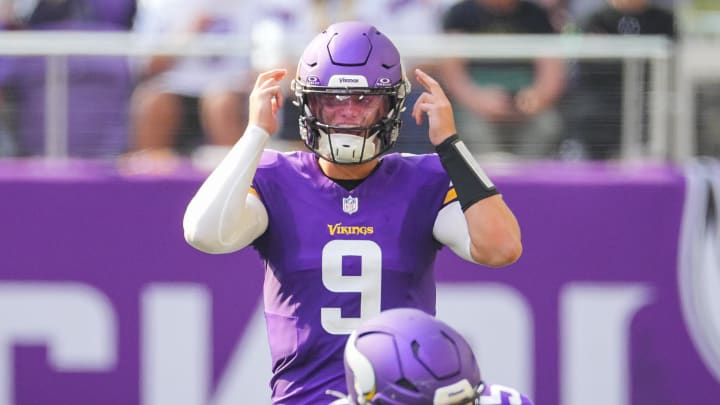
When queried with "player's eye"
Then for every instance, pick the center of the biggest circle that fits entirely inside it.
(340, 100)
(355, 99)
(365, 100)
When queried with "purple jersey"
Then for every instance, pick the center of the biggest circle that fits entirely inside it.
(495, 394)
(334, 257)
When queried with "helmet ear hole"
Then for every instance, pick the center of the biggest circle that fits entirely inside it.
(415, 347)
(405, 383)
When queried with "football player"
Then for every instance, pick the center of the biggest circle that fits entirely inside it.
(406, 357)
(346, 230)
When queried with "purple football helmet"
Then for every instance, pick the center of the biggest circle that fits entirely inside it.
(405, 356)
(350, 63)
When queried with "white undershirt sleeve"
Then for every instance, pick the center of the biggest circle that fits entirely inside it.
(223, 216)
(451, 230)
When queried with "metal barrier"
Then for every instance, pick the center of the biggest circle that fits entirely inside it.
(634, 51)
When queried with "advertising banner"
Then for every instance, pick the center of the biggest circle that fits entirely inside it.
(103, 302)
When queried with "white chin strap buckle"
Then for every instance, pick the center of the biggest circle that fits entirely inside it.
(347, 148)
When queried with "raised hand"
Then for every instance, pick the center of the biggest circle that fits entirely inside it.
(266, 99)
(436, 105)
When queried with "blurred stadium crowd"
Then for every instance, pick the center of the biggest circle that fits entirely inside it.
(147, 112)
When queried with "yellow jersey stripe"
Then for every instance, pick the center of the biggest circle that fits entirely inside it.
(254, 192)
(450, 196)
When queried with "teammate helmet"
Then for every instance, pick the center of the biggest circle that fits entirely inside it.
(350, 62)
(405, 356)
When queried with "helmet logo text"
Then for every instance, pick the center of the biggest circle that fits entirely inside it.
(348, 81)
(383, 82)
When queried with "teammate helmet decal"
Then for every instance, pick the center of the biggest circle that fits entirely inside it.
(698, 280)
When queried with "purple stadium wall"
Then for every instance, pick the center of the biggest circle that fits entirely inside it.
(103, 302)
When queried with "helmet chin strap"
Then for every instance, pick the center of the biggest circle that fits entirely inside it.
(346, 148)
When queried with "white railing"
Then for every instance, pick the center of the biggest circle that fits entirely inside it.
(634, 51)
(698, 62)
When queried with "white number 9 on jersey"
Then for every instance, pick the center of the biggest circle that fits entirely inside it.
(367, 284)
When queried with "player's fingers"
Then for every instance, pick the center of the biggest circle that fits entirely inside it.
(272, 95)
(418, 117)
(425, 108)
(275, 74)
(271, 81)
(416, 112)
(427, 81)
(279, 97)
(276, 97)
(271, 89)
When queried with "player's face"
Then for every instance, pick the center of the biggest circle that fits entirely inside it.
(349, 110)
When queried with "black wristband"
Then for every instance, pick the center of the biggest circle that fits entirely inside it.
(470, 181)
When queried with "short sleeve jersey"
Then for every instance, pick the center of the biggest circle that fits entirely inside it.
(334, 257)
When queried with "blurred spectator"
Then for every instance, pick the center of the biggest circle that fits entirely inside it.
(98, 86)
(596, 113)
(403, 19)
(708, 116)
(8, 145)
(583, 8)
(506, 106)
(184, 103)
(701, 19)
(559, 13)
(7, 139)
